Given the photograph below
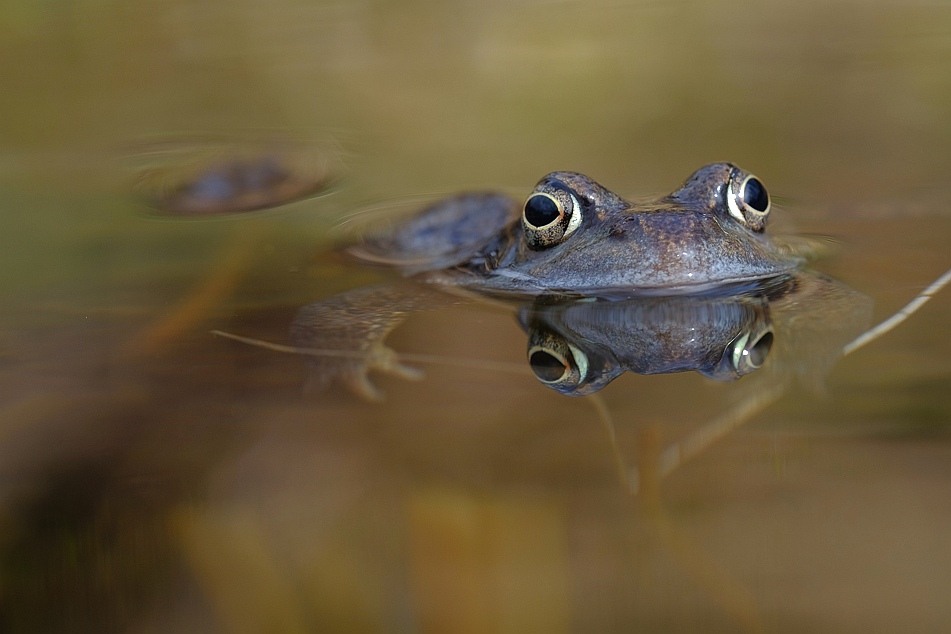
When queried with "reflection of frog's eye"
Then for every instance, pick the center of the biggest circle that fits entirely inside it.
(548, 366)
(555, 362)
(748, 200)
(750, 353)
(551, 214)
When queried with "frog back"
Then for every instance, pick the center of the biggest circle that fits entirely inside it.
(445, 234)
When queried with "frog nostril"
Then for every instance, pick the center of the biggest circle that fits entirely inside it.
(617, 231)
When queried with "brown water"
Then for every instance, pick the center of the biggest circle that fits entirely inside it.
(156, 478)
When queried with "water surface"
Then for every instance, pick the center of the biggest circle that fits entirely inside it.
(158, 478)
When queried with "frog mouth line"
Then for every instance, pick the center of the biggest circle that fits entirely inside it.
(727, 286)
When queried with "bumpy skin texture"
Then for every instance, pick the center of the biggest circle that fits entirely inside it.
(685, 242)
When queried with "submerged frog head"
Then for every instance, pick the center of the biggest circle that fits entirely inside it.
(572, 235)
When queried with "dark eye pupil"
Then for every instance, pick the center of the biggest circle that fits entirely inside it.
(760, 350)
(541, 210)
(754, 195)
(547, 366)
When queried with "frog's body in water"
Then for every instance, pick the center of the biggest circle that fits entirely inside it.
(574, 236)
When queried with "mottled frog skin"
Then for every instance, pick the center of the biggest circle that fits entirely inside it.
(574, 236)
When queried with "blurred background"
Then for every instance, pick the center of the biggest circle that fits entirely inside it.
(156, 478)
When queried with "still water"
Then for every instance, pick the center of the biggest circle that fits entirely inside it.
(157, 477)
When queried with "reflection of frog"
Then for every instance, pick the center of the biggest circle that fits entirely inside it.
(578, 347)
(800, 321)
(574, 236)
(571, 238)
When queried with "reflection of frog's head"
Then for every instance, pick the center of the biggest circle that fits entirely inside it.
(578, 348)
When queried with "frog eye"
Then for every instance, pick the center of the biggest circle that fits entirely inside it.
(551, 214)
(748, 200)
(555, 362)
(749, 353)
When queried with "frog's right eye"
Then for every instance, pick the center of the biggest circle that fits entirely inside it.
(551, 214)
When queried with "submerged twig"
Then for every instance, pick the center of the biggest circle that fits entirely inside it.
(910, 309)
(627, 477)
(432, 359)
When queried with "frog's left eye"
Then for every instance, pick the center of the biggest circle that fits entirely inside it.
(551, 214)
(750, 352)
(748, 200)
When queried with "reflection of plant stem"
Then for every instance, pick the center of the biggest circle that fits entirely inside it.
(675, 455)
(702, 569)
(653, 464)
(604, 415)
(672, 457)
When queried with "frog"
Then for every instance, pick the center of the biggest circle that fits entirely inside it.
(575, 236)
(572, 239)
